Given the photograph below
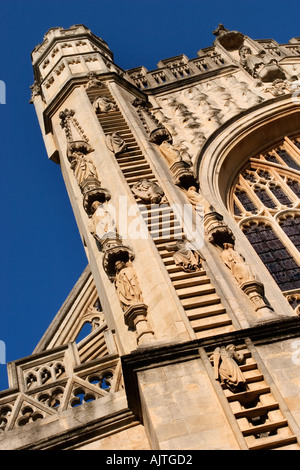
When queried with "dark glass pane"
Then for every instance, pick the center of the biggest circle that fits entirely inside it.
(271, 158)
(297, 143)
(236, 209)
(288, 159)
(246, 201)
(264, 174)
(280, 195)
(264, 197)
(295, 186)
(274, 255)
(291, 226)
(250, 176)
(294, 301)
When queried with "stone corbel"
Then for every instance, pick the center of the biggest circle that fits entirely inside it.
(81, 146)
(115, 251)
(136, 318)
(255, 291)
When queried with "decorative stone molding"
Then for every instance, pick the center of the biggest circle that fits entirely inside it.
(51, 383)
(136, 318)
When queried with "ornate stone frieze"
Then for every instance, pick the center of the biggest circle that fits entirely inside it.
(281, 86)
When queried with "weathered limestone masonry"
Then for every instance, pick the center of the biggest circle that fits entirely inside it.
(185, 185)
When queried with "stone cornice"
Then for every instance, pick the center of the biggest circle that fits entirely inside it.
(155, 357)
(190, 80)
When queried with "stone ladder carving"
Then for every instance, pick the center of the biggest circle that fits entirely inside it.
(195, 291)
(258, 414)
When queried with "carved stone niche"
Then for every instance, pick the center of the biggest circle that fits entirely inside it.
(78, 146)
(183, 175)
(216, 230)
(115, 251)
(230, 40)
(92, 191)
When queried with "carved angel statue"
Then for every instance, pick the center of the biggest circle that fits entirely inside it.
(186, 255)
(148, 191)
(127, 285)
(101, 223)
(115, 143)
(103, 104)
(226, 368)
(82, 166)
(237, 265)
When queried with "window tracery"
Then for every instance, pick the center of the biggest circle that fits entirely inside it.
(265, 203)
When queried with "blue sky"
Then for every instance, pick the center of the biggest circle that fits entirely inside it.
(41, 252)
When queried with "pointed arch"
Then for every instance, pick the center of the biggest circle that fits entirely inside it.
(250, 172)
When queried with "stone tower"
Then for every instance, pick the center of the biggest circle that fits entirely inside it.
(185, 185)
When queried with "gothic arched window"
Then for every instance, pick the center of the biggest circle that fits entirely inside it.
(265, 202)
